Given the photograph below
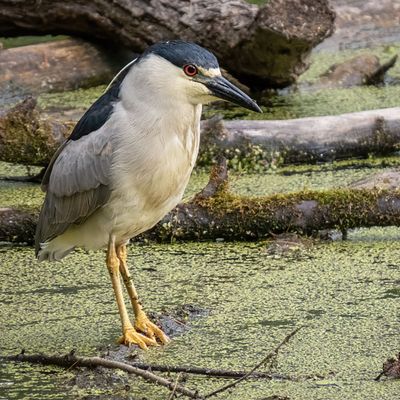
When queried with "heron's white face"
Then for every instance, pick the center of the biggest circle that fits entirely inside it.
(157, 81)
(166, 80)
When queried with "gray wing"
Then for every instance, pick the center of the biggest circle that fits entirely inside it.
(77, 184)
(77, 179)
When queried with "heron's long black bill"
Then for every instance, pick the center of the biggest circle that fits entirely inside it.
(222, 88)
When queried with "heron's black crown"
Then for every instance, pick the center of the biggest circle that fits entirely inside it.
(181, 53)
(177, 52)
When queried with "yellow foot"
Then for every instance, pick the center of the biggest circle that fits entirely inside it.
(152, 331)
(131, 336)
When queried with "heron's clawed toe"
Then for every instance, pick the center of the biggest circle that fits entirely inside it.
(132, 336)
(151, 330)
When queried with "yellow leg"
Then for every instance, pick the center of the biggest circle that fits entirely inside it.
(142, 322)
(129, 333)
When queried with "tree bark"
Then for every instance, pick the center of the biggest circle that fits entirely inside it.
(55, 67)
(215, 213)
(221, 214)
(262, 46)
(27, 137)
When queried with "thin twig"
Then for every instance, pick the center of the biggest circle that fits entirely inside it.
(172, 395)
(379, 376)
(72, 366)
(268, 357)
(91, 362)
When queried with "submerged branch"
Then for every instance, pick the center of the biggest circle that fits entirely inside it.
(391, 368)
(73, 361)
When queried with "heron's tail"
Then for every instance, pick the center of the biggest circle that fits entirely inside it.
(54, 250)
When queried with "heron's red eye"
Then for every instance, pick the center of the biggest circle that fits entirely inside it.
(190, 70)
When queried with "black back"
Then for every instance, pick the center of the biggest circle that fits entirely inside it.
(99, 112)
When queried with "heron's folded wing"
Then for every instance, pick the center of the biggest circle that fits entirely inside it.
(77, 179)
(77, 184)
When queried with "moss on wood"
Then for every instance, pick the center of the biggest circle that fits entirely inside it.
(217, 213)
(27, 138)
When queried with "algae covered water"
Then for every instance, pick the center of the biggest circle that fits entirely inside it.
(344, 294)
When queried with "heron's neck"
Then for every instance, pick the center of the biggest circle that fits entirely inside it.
(158, 110)
(151, 87)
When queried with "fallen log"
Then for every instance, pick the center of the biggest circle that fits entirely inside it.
(27, 137)
(304, 140)
(262, 46)
(55, 67)
(352, 17)
(215, 213)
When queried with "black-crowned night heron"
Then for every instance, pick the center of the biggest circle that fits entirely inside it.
(128, 161)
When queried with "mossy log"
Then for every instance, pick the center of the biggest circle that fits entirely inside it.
(55, 67)
(216, 213)
(261, 45)
(28, 137)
